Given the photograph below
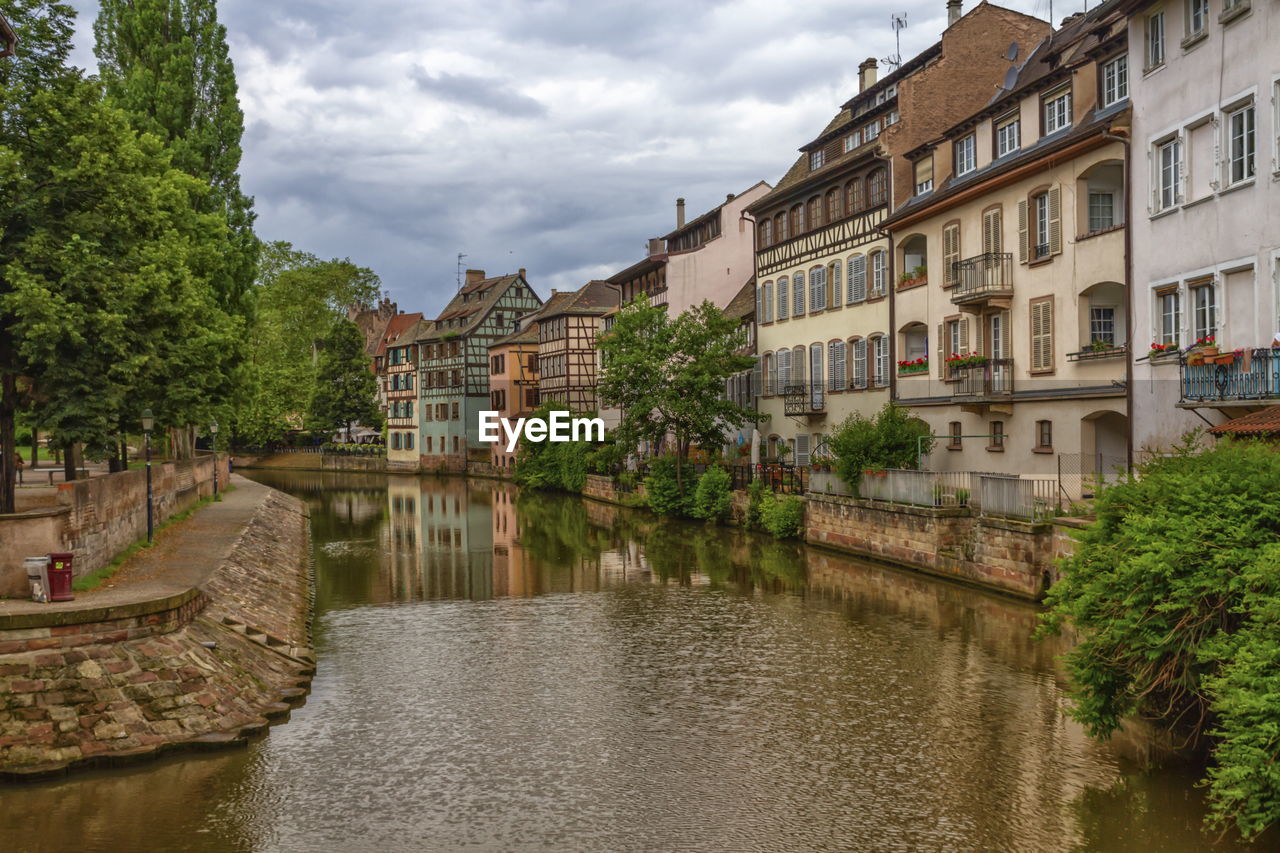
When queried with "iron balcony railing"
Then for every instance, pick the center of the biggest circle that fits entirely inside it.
(983, 276)
(1249, 375)
(805, 398)
(992, 378)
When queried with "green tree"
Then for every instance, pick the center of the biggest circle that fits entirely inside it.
(345, 388)
(298, 297)
(892, 439)
(558, 465)
(165, 63)
(668, 376)
(1175, 595)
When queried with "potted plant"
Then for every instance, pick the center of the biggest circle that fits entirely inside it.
(1158, 350)
(917, 365)
(962, 497)
(961, 360)
(939, 491)
(1206, 346)
(921, 272)
(1099, 345)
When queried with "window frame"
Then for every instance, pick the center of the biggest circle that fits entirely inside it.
(1010, 120)
(1049, 108)
(965, 154)
(817, 159)
(1172, 170)
(1248, 158)
(1154, 50)
(1189, 16)
(1208, 312)
(1114, 81)
(996, 436)
(1168, 324)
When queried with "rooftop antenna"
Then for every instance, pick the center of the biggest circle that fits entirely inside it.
(898, 23)
(460, 257)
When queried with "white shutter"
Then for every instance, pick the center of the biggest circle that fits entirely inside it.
(837, 366)
(782, 297)
(1022, 231)
(797, 366)
(833, 284)
(858, 278)
(802, 449)
(881, 355)
(860, 363)
(817, 289)
(992, 239)
(797, 294)
(759, 302)
(782, 372)
(756, 380)
(1055, 221)
(942, 352)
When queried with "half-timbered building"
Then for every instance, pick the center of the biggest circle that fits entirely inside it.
(453, 371)
(568, 362)
(513, 384)
(400, 387)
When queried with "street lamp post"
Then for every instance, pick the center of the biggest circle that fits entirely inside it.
(213, 433)
(147, 423)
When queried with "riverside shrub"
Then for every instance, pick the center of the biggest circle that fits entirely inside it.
(1175, 593)
(662, 487)
(783, 517)
(713, 499)
(892, 439)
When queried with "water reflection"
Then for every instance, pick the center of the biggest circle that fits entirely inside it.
(501, 671)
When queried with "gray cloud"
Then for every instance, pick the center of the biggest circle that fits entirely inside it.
(548, 134)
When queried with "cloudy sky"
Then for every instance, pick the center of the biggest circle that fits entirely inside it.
(548, 134)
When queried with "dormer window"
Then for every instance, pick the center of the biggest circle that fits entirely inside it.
(816, 160)
(852, 141)
(966, 155)
(1057, 111)
(872, 130)
(891, 118)
(1008, 135)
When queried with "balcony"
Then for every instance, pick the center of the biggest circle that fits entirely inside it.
(1249, 376)
(804, 398)
(993, 379)
(984, 280)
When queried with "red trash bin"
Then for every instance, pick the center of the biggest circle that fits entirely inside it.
(60, 577)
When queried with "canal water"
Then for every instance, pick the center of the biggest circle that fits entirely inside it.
(503, 671)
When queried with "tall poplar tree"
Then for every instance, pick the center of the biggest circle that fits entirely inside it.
(345, 388)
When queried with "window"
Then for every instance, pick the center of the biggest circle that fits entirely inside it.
(766, 232)
(876, 188)
(860, 363)
(1042, 334)
(879, 275)
(815, 160)
(872, 130)
(1197, 16)
(956, 343)
(813, 214)
(1057, 112)
(1102, 325)
(783, 293)
(1045, 235)
(852, 141)
(1008, 135)
(854, 198)
(833, 205)
(797, 294)
(1102, 210)
(454, 414)
(880, 352)
(1155, 40)
(780, 226)
(1168, 174)
(495, 364)
(797, 220)
(1204, 307)
(763, 299)
(950, 252)
(1044, 435)
(833, 285)
(1115, 80)
(992, 235)
(1240, 145)
(966, 155)
(817, 288)
(395, 441)
(924, 175)
(955, 430)
(996, 440)
(408, 441)
(891, 118)
(1169, 312)
(857, 288)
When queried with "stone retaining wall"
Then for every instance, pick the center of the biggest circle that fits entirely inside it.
(210, 668)
(1005, 554)
(97, 518)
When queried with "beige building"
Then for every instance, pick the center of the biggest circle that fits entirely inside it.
(1010, 313)
(824, 268)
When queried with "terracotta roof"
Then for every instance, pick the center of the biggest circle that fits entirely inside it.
(527, 335)
(1265, 422)
(639, 268)
(743, 304)
(471, 305)
(594, 297)
(396, 326)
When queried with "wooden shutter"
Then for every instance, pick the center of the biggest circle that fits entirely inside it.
(858, 278)
(1042, 335)
(756, 379)
(1022, 231)
(817, 289)
(1055, 221)
(950, 252)
(797, 294)
(782, 297)
(860, 363)
(882, 362)
(797, 365)
(833, 285)
(991, 237)
(802, 449)
(942, 351)
(835, 366)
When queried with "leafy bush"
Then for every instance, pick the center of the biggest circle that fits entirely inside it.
(713, 499)
(662, 488)
(552, 464)
(756, 494)
(1175, 594)
(783, 517)
(892, 439)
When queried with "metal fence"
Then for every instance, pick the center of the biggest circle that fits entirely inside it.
(1081, 474)
(992, 494)
(785, 479)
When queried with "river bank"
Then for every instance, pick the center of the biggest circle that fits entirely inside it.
(196, 642)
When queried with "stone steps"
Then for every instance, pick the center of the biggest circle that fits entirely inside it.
(298, 654)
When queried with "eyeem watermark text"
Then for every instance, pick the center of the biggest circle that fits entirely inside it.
(559, 427)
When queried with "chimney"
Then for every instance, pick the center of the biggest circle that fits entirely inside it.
(474, 275)
(867, 74)
(554, 291)
(655, 245)
(522, 275)
(729, 197)
(953, 11)
(679, 213)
